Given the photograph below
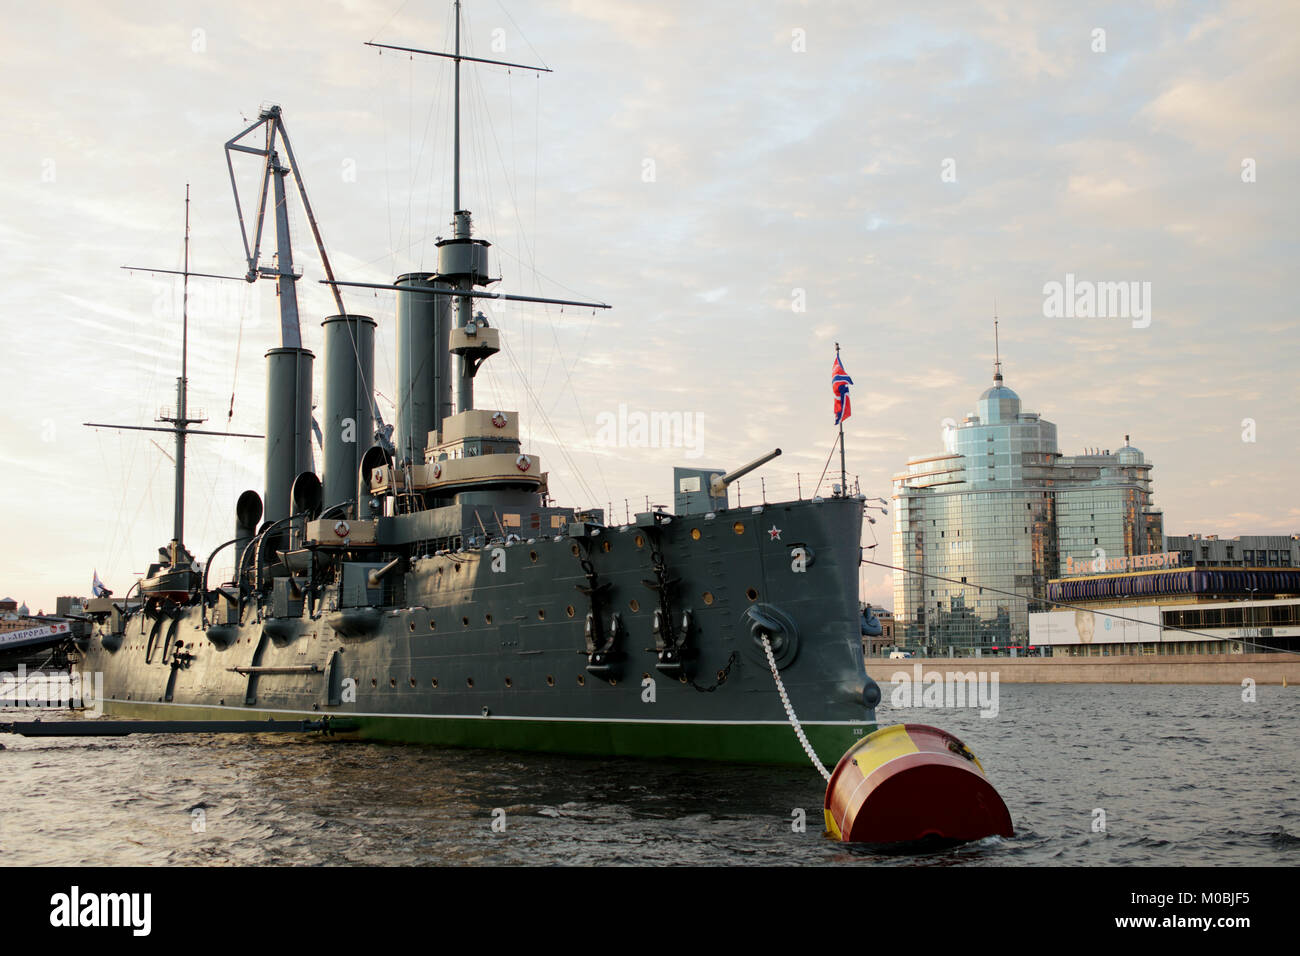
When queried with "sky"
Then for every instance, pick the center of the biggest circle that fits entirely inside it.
(747, 185)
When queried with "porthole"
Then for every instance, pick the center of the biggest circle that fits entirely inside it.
(532, 555)
(412, 681)
(411, 625)
(582, 679)
(487, 618)
(634, 605)
(392, 682)
(606, 546)
(695, 534)
(738, 527)
(574, 549)
(434, 683)
(640, 541)
(541, 614)
(509, 682)
(569, 610)
(550, 680)
(751, 594)
(469, 682)
(465, 621)
(432, 626)
(708, 597)
(374, 682)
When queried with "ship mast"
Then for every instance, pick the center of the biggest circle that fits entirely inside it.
(180, 421)
(462, 259)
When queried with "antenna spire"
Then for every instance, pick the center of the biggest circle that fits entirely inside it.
(997, 351)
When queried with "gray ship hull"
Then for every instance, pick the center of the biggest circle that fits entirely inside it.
(488, 647)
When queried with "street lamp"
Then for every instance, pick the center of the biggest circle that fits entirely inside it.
(1251, 607)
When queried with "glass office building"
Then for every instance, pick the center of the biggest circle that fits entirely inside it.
(981, 528)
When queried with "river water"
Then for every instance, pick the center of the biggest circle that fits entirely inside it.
(1094, 775)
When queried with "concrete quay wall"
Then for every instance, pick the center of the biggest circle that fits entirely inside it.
(1131, 669)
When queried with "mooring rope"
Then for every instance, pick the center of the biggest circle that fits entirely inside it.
(789, 711)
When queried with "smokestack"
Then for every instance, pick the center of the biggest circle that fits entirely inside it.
(348, 422)
(288, 425)
(423, 364)
(248, 512)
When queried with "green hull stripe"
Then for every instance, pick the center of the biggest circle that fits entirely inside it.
(739, 743)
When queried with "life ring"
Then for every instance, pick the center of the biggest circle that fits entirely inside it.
(499, 420)
(342, 529)
(523, 463)
(437, 470)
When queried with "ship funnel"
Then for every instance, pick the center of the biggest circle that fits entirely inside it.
(423, 363)
(306, 494)
(288, 425)
(248, 512)
(375, 457)
(348, 417)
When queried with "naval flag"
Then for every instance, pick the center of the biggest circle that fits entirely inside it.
(97, 588)
(840, 383)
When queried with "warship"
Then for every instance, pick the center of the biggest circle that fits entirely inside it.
(424, 586)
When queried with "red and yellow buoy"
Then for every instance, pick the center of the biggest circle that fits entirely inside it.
(907, 782)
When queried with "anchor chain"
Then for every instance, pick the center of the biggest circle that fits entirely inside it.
(670, 638)
(722, 675)
(789, 711)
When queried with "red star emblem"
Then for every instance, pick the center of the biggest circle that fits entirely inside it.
(775, 532)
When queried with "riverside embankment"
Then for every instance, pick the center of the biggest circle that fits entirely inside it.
(1131, 669)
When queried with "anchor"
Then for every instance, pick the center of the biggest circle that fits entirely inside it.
(671, 643)
(603, 653)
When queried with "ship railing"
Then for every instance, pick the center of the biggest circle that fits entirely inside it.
(752, 492)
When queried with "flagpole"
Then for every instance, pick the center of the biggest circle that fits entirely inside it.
(844, 488)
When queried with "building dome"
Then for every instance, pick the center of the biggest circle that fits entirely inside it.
(998, 403)
(1128, 455)
(998, 391)
(22, 610)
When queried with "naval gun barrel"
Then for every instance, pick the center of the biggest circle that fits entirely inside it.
(378, 574)
(718, 484)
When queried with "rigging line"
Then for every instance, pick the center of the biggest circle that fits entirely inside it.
(234, 380)
(533, 268)
(834, 445)
(521, 33)
(491, 129)
(1074, 607)
(125, 468)
(388, 161)
(420, 234)
(410, 145)
(581, 416)
(399, 9)
(550, 319)
(584, 487)
(514, 176)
